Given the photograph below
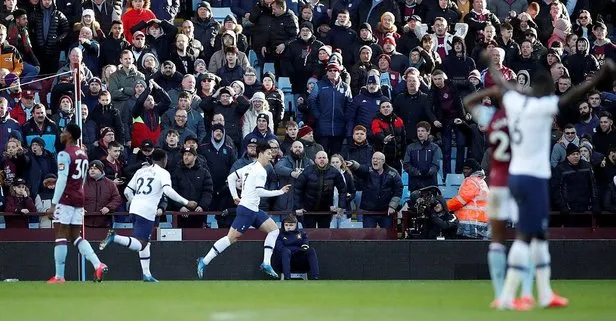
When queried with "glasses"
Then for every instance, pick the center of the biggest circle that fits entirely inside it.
(569, 133)
(583, 18)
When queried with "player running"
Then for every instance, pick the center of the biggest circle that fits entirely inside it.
(501, 205)
(253, 178)
(530, 117)
(143, 192)
(66, 209)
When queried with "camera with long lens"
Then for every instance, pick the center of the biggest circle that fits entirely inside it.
(421, 202)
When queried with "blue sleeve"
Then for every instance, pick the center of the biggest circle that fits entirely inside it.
(64, 162)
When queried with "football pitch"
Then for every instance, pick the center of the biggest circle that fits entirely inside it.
(290, 300)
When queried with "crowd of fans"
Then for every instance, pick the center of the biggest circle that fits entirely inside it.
(376, 85)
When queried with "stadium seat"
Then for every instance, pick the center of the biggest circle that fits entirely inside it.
(269, 67)
(449, 192)
(252, 58)
(454, 179)
(2, 225)
(211, 221)
(406, 195)
(117, 225)
(219, 13)
(34, 225)
(284, 84)
(296, 276)
(405, 178)
(289, 102)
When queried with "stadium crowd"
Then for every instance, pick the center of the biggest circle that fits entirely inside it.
(375, 90)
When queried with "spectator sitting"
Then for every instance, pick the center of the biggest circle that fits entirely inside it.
(98, 149)
(19, 202)
(8, 126)
(173, 148)
(294, 249)
(588, 121)
(100, 195)
(194, 120)
(470, 203)
(43, 199)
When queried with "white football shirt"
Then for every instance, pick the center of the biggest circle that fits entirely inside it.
(530, 125)
(147, 185)
(253, 177)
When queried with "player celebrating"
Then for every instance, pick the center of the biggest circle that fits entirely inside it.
(143, 193)
(501, 206)
(66, 209)
(253, 179)
(530, 116)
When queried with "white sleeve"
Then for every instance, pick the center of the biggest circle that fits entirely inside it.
(129, 191)
(172, 194)
(231, 182)
(262, 192)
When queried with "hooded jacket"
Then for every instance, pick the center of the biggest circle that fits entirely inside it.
(364, 108)
(57, 31)
(299, 56)
(329, 104)
(314, 188)
(581, 64)
(421, 161)
(457, 67)
(343, 38)
(218, 58)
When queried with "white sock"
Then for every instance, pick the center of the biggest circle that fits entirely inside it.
(268, 246)
(541, 257)
(86, 250)
(130, 242)
(218, 247)
(144, 259)
(518, 267)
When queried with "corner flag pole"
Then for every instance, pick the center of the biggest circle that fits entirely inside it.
(81, 261)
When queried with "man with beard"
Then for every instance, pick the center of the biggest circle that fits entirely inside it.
(314, 192)
(139, 49)
(306, 136)
(359, 71)
(588, 121)
(167, 77)
(301, 53)
(220, 154)
(188, 85)
(365, 105)
(41, 126)
(288, 170)
(605, 135)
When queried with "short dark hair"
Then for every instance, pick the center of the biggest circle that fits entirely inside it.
(262, 146)
(423, 124)
(280, 3)
(114, 144)
(360, 128)
(158, 155)
(185, 95)
(606, 114)
(543, 83)
(174, 132)
(506, 26)
(569, 126)
(74, 130)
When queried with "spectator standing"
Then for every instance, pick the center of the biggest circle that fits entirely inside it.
(315, 190)
(8, 126)
(389, 135)
(105, 12)
(361, 152)
(387, 186)
(50, 27)
(193, 179)
(41, 126)
(42, 163)
(288, 170)
(421, 159)
(581, 63)
(365, 106)
(206, 28)
(100, 195)
(114, 44)
(413, 106)
(165, 9)
(136, 11)
(588, 121)
(605, 135)
(470, 203)
(306, 136)
(300, 54)
(477, 19)
(107, 115)
(122, 82)
(370, 11)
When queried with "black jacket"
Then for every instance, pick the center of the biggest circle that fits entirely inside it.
(109, 116)
(194, 183)
(385, 189)
(343, 38)
(374, 17)
(457, 109)
(574, 187)
(314, 189)
(300, 55)
(58, 31)
(413, 109)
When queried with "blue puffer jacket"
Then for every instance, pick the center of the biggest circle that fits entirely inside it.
(363, 110)
(259, 136)
(385, 189)
(329, 104)
(50, 134)
(165, 9)
(241, 7)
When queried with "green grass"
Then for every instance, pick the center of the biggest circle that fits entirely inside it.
(292, 301)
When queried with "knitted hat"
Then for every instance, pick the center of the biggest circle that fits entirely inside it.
(366, 26)
(328, 49)
(230, 18)
(106, 130)
(263, 116)
(205, 5)
(257, 96)
(98, 164)
(414, 17)
(386, 57)
(216, 127)
(270, 75)
(240, 84)
(572, 148)
(95, 79)
(307, 24)
(39, 141)
(66, 97)
(472, 164)
(562, 24)
(364, 47)
(199, 61)
(141, 81)
(189, 150)
(304, 131)
(389, 40)
(372, 79)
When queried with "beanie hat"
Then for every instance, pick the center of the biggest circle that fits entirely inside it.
(106, 130)
(142, 82)
(204, 4)
(472, 163)
(241, 85)
(263, 116)
(372, 79)
(67, 97)
(10, 78)
(199, 61)
(307, 24)
(562, 24)
(38, 140)
(366, 26)
(387, 13)
(328, 49)
(258, 96)
(270, 75)
(304, 131)
(217, 127)
(572, 148)
(98, 164)
(386, 57)
(364, 47)
(588, 145)
(389, 40)
(95, 79)
(230, 18)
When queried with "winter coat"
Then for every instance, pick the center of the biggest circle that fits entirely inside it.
(283, 169)
(501, 8)
(183, 131)
(111, 49)
(165, 9)
(574, 187)
(581, 64)
(232, 113)
(343, 38)
(194, 183)
(205, 32)
(372, 16)
(110, 10)
(194, 122)
(9, 127)
(49, 133)
(314, 188)
(47, 48)
(363, 109)
(260, 137)
(359, 73)
(385, 189)
(122, 85)
(311, 148)
(470, 206)
(109, 116)
(413, 108)
(421, 163)
(328, 104)
(99, 193)
(476, 23)
(132, 17)
(457, 109)
(249, 121)
(382, 126)
(15, 204)
(299, 56)
(219, 161)
(218, 60)
(40, 166)
(602, 141)
(146, 124)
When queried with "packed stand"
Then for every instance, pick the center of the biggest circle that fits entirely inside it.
(370, 99)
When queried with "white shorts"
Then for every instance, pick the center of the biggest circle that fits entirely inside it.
(501, 205)
(68, 215)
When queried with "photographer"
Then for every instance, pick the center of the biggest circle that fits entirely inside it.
(439, 221)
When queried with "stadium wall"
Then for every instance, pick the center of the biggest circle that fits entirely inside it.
(361, 260)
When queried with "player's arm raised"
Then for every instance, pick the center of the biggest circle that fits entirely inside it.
(497, 76)
(578, 92)
(474, 99)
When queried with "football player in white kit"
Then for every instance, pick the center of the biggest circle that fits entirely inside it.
(253, 178)
(530, 115)
(143, 192)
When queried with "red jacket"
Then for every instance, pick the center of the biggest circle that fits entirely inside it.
(19, 114)
(132, 17)
(141, 131)
(15, 204)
